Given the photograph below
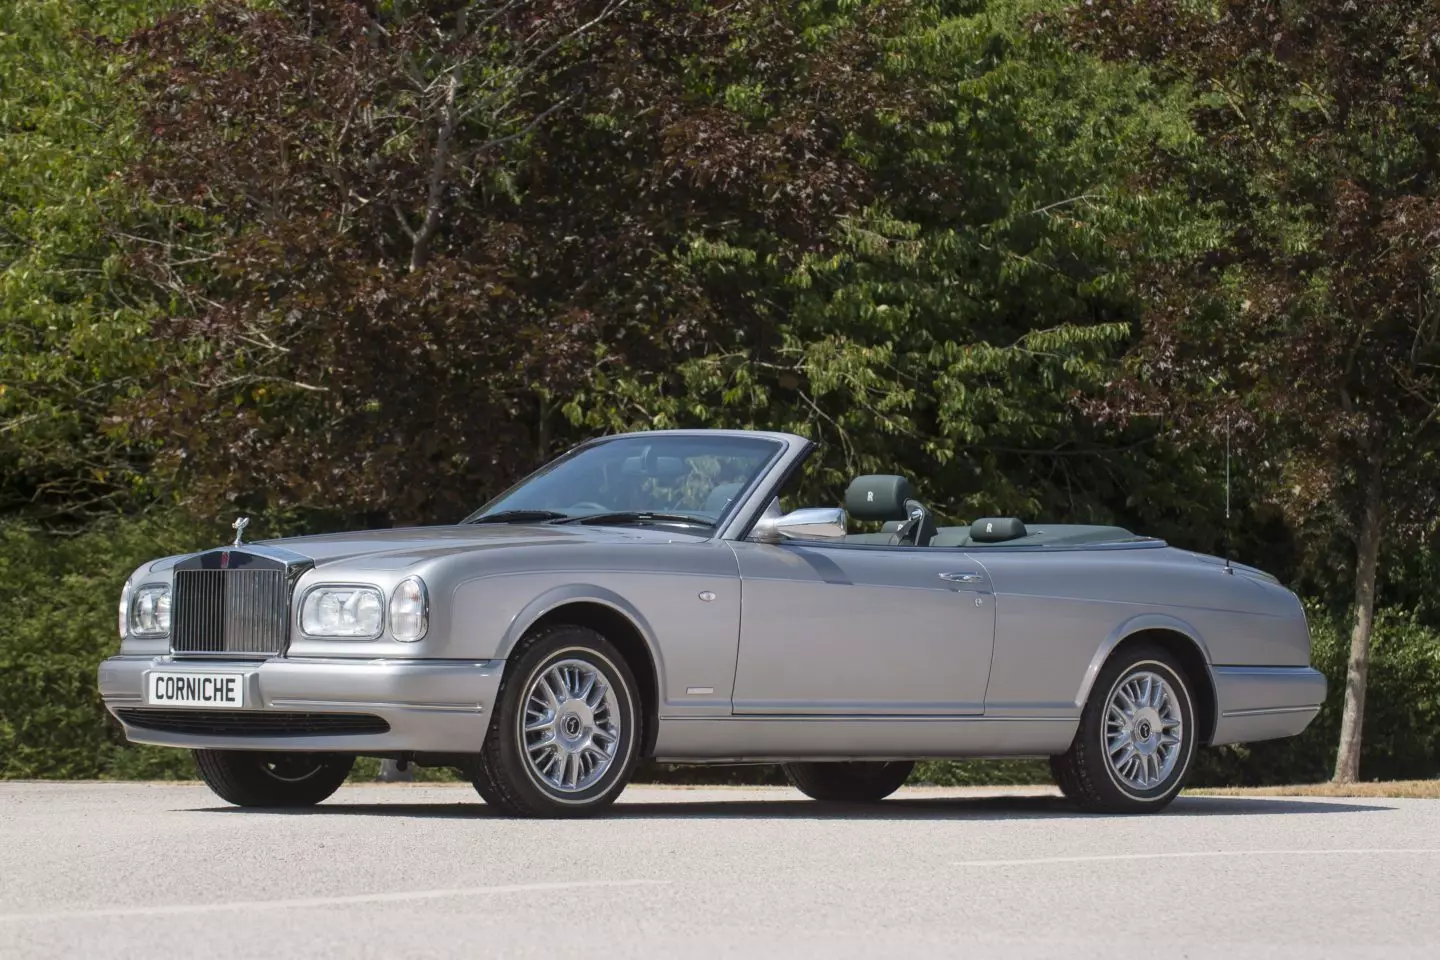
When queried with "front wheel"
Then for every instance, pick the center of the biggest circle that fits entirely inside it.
(250, 778)
(1136, 739)
(566, 733)
(849, 781)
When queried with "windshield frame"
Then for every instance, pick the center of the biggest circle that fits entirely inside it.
(722, 521)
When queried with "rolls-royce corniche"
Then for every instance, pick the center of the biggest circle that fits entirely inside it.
(651, 596)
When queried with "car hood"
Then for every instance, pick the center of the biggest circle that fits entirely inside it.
(403, 546)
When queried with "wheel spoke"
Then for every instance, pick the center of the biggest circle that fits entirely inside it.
(597, 694)
(560, 689)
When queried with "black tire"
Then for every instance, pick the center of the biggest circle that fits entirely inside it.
(504, 776)
(1084, 772)
(849, 781)
(249, 778)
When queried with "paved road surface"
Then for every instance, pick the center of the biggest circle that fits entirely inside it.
(160, 871)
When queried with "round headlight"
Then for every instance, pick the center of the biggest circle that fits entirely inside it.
(150, 611)
(409, 610)
(342, 612)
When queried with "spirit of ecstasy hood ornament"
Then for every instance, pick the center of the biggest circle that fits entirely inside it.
(239, 527)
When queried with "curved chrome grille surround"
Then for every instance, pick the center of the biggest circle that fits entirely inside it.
(234, 603)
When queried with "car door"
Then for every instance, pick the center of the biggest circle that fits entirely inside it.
(847, 630)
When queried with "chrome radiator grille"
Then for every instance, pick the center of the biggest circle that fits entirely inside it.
(243, 611)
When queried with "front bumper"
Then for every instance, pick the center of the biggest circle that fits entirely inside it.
(430, 706)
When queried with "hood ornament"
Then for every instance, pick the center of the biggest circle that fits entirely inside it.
(239, 527)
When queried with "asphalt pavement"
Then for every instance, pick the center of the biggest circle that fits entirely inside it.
(100, 870)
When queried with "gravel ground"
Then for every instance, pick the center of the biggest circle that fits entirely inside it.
(101, 870)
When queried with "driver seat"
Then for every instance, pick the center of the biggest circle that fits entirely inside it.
(886, 498)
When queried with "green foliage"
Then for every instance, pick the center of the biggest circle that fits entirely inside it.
(947, 327)
(59, 596)
(75, 328)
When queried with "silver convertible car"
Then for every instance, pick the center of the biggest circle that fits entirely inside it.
(649, 596)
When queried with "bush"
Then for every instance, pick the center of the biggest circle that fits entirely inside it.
(58, 595)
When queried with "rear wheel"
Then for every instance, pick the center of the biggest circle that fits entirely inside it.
(851, 781)
(566, 733)
(1136, 739)
(249, 778)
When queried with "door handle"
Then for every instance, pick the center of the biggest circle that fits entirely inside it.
(964, 577)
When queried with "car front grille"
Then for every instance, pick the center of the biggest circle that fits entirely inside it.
(252, 723)
(244, 611)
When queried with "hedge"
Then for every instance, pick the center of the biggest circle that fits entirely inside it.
(57, 621)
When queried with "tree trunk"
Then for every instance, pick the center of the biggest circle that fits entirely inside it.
(542, 440)
(1367, 557)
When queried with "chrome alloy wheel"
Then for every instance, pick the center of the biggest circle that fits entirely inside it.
(1144, 730)
(570, 725)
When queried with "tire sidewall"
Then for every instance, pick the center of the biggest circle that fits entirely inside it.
(568, 643)
(1154, 662)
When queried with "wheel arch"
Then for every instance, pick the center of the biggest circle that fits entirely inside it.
(1180, 640)
(615, 619)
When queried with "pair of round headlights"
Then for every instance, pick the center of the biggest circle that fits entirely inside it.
(341, 611)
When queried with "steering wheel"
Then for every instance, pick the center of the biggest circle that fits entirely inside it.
(588, 505)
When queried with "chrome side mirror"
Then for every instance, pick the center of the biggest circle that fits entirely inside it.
(807, 523)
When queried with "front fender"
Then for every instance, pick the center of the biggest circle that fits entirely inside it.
(572, 593)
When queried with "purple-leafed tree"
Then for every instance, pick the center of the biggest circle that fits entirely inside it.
(404, 232)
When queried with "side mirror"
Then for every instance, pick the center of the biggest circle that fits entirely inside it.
(807, 523)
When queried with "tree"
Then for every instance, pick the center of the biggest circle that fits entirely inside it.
(947, 327)
(73, 324)
(417, 222)
(1309, 317)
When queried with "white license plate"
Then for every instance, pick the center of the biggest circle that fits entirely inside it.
(196, 689)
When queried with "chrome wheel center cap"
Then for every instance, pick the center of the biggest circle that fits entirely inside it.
(1146, 731)
(572, 726)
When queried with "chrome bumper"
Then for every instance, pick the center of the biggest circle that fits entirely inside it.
(432, 706)
(1265, 703)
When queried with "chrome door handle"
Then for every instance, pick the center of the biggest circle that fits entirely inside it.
(966, 577)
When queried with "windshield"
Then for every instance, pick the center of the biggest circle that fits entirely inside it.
(678, 475)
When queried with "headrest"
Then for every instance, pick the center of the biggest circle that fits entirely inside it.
(661, 468)
(996, 529)
(720, 496)
(877, 497)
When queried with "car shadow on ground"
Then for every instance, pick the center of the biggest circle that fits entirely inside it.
(904, 808)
